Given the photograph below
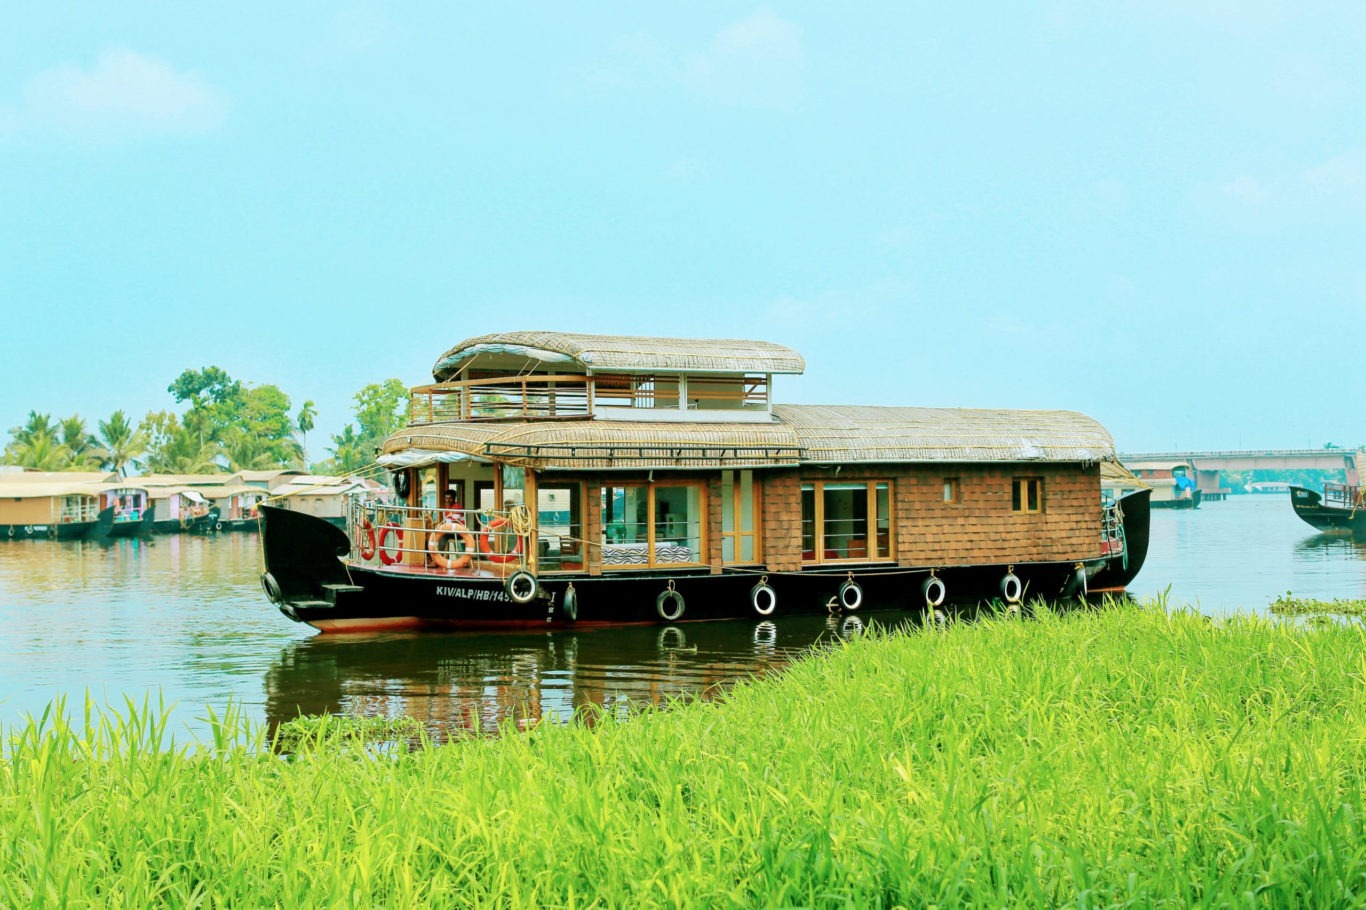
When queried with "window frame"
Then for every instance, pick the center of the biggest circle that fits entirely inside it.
(1020, 489)
(650, 522)
(818, 556)
(738, 535)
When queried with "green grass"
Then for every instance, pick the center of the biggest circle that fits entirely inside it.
(1289, 605)
(1125, 757)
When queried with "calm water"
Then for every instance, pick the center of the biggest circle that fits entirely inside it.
(183, 619)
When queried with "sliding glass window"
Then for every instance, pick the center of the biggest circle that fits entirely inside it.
(652, 525)
(846, 521)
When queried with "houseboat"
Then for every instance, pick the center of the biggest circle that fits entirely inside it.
(324, 496)
(550, 478)
(235, 507)
(181, 502)
(1173, 483)
(43, 506)
(125, 511)
(1340, 509)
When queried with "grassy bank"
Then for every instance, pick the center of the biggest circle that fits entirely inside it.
(1124, 756)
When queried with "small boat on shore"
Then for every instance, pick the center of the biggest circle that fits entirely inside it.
(1340, 509)
(550, 479)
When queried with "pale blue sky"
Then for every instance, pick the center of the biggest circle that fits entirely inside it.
(1154, 213)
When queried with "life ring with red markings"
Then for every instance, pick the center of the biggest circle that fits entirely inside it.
(367, 539)
(387, 554)
(490, 542)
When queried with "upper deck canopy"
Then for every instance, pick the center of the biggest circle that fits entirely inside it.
(518, 351)
(799, 434)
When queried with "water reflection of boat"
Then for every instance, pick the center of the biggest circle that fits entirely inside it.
(1340, 509)
(622, 479)
(464, 683)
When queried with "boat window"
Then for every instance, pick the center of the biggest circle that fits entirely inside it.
(652, 525)
(951, 489)
(430, 488)
(739, 531)
(560, 524)
(837, 519)
(1026, 494)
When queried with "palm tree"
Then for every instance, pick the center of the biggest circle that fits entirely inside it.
(123, 444)
(83, 448)
(307, 412)
(37, 425)
(40, 451)
(349, 453)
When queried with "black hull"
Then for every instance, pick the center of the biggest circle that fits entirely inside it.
(1135, 511)
(109, 527)
(308, 579)
(70, 530)
(179, 526)
(1329, 519)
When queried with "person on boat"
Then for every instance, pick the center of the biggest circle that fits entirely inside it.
(454, 511)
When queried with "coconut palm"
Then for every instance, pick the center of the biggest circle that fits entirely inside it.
(83, 448)
(349, 453)
(39, 451)
(307, 413)
(122, 443)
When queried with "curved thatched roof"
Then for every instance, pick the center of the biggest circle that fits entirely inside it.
(800, 434)
(624, 353)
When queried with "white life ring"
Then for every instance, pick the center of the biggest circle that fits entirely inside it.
(1012, 589)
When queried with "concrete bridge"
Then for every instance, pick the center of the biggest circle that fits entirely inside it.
(1208, 464)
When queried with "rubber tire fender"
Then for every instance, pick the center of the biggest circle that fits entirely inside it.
(670, 595)
(763, 590)
(522, 587)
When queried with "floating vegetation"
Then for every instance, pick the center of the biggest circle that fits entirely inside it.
(1126, 756)
(1288, 604)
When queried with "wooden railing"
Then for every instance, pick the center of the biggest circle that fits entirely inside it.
(525, 398)
(541, 397)
(1342, 495)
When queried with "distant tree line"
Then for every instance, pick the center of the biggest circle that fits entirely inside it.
(227, 424)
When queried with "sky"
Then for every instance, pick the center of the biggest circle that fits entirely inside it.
(1153, 213)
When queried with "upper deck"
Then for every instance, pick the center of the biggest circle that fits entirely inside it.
(566, 376)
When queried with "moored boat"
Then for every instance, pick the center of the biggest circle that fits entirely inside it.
(42, 508)
(125, 511)
(1173, 483)
(1340, 509)
(550, 478)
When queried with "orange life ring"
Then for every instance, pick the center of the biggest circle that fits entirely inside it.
(390, 555)
(486, 546)
(367, 539)
(454, 529)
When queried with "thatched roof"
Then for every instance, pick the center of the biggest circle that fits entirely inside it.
(59, 477)
(183, 480)
(607, 445)
(517, 351)
(31, 490)
(844, 434)
(799, 434)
